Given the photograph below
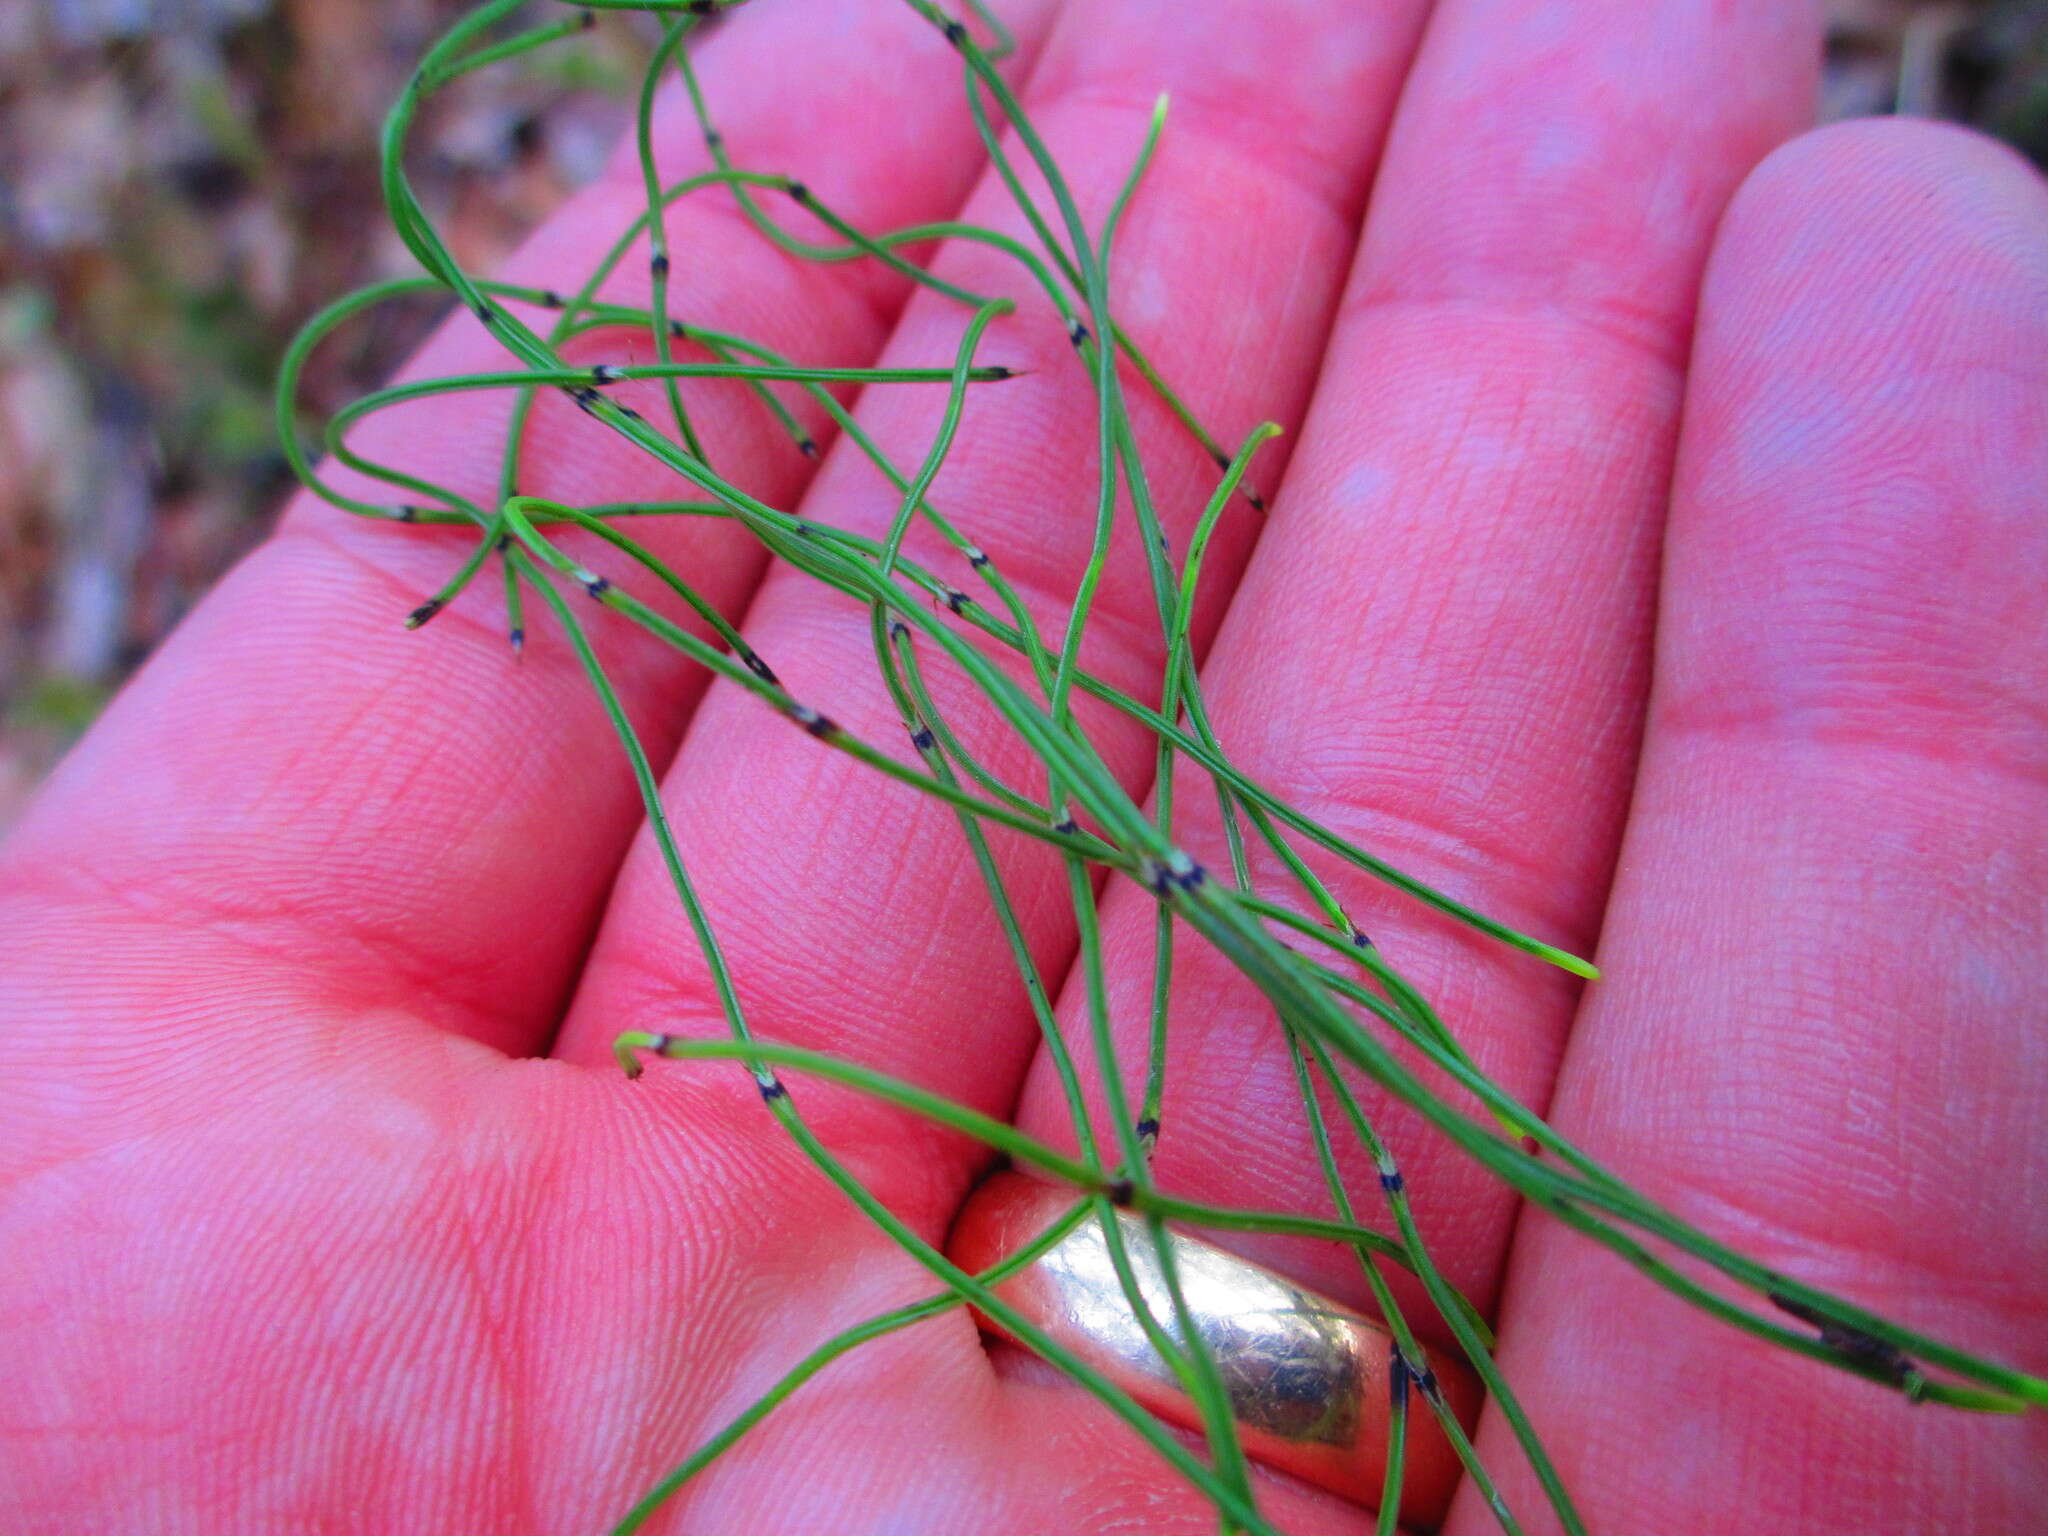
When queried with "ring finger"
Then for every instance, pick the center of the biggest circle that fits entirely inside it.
(1440, 649)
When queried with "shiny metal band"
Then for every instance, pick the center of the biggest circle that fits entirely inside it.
(1308, 1380)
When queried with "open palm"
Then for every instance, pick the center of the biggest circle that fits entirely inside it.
(322, 1206)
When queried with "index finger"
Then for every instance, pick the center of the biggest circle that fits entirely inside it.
(328, 804)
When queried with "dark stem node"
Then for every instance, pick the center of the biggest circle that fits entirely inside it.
(1426, 1384)
(1872, 1354)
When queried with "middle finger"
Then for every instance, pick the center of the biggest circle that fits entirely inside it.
(1226, 269)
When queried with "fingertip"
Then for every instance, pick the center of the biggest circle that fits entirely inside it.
(1908, 205)
(1877, 300)
(1857, 509)
(1873, 282)
(1917, 158)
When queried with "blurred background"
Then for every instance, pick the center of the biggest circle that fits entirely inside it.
(182, 182)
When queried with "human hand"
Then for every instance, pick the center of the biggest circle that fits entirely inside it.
(324, 1207)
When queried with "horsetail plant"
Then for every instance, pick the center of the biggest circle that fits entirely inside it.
(1339, 1002)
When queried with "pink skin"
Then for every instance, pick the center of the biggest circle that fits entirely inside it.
(299, 1231)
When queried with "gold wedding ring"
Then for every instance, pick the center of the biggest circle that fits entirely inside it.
(1308, 1380)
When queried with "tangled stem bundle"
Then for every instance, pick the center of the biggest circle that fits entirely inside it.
(1339, 1003)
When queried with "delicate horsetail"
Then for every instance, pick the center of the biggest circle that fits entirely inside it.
(1339, 1002)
